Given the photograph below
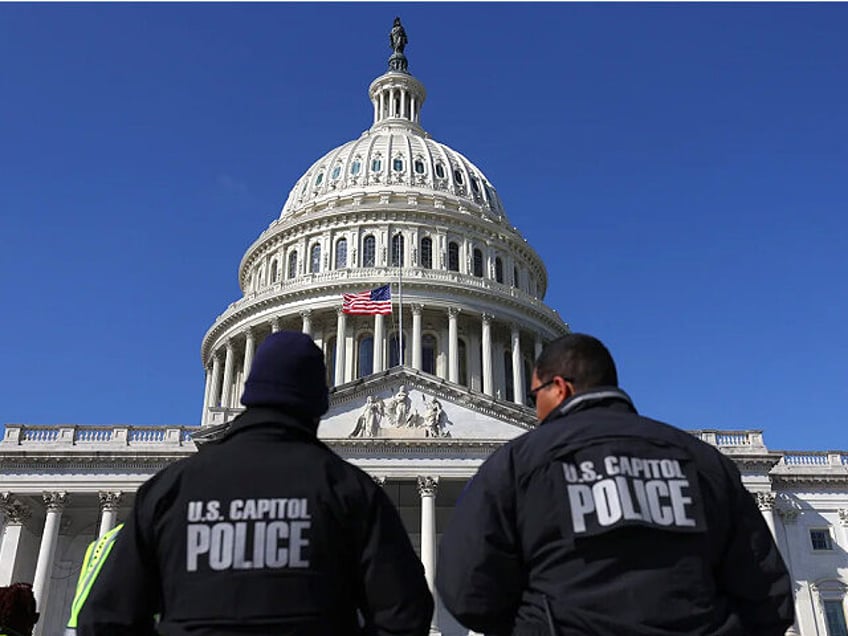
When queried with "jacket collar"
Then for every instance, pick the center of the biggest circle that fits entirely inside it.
(267, 417)
(602, 396)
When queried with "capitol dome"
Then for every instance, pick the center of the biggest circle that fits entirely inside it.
(396, 207)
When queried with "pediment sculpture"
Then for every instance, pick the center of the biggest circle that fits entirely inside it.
(397, 417)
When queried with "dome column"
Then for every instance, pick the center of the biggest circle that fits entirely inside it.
(517, 375)
(537, 348)
(416, 336)
(453, 345)
(215, 393)
(379, 341)
(306, 316)
(207, 397)
(486, 335)
(227, 388)
(249, 348)
(341, 331)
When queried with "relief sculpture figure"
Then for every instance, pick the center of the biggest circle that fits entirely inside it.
(368, 422)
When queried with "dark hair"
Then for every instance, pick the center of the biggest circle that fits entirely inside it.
(17, 608)
(581, 358)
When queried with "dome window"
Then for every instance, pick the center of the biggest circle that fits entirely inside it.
(457, 175)
(376, 165)
(419, 166)
(315, 259)
(369, 251)
(366, 357)
(440, 171)
(397, 164)
(292, 264)
(478, 263)
(336, 172)
(397, 250)
(319, 178)
(355, 167)
(515, 277)
(427, 252)
(341, 253)
(453, 256)
(428, 354)
(499, 270)
(474, 185)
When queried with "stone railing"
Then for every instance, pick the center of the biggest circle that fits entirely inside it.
(752, 440)
(815, 458)
(19, 436)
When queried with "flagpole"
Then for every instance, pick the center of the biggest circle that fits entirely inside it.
(400, 301)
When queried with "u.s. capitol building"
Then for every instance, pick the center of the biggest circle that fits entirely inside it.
(420, 397)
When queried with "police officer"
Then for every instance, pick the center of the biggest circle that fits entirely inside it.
(605, 522)
(95, 556)
(265, 532)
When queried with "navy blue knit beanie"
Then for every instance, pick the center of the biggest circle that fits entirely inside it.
(288, 371)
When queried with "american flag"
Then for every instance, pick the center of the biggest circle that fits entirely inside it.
(369, 303)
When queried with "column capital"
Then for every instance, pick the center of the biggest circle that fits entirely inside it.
(843, 517)
(15, 510)
(765, 500)
(340, 312)
(110, 500)
(229, 345)
(487, 318)
(515, 328)
(453, 312)
(788, 514)
(416, 308)
(380, 480)
(55, 501)
(305, 313)
(427, 486)
(275, 324)
(248, 333)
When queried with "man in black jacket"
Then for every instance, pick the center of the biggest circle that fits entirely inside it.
(604, 522)
(265, 532)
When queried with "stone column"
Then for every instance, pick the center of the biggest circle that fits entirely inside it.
(453, 345)
(765, 502)
(215, 394)
(17, 513)
(517, 375)
(227, 389)
(427, 487)
(55, 502)
(306, 316)
(416, 335)
(537, 347)
(341, 332)
(109, 503)
(275, 325)
(249, 350)
(379, 341)
(486, 333)
(206, 394)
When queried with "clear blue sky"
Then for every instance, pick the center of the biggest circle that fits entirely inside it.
(682, 169)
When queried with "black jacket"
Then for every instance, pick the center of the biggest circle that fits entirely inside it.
(264, 532)
(604, 522)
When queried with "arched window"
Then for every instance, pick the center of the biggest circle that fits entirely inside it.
(397, 165)
(274, 271)
(462, 352)
(397, 250)
(369, 251)
(319, 178)
(336, 172)
(515, 276)
(474, 185)
(376, 165)
(453, 256)
(440, 171)
(428, 353)
(478, 262)
(499, 270)
(427, 252)
(315, 259)
(366, 357)
(341, 253)
(330, 361)
(510, 384)
(419, 166)
(457, 175)
(355, 166)
(292, 263)
(394, 351)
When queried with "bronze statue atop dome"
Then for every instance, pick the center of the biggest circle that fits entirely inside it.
(398, 40)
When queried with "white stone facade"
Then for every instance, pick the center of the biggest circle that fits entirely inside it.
(391, 206)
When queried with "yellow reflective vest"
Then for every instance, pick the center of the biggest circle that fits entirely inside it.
(92, 563)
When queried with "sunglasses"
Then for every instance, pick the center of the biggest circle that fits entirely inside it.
(531, 394)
